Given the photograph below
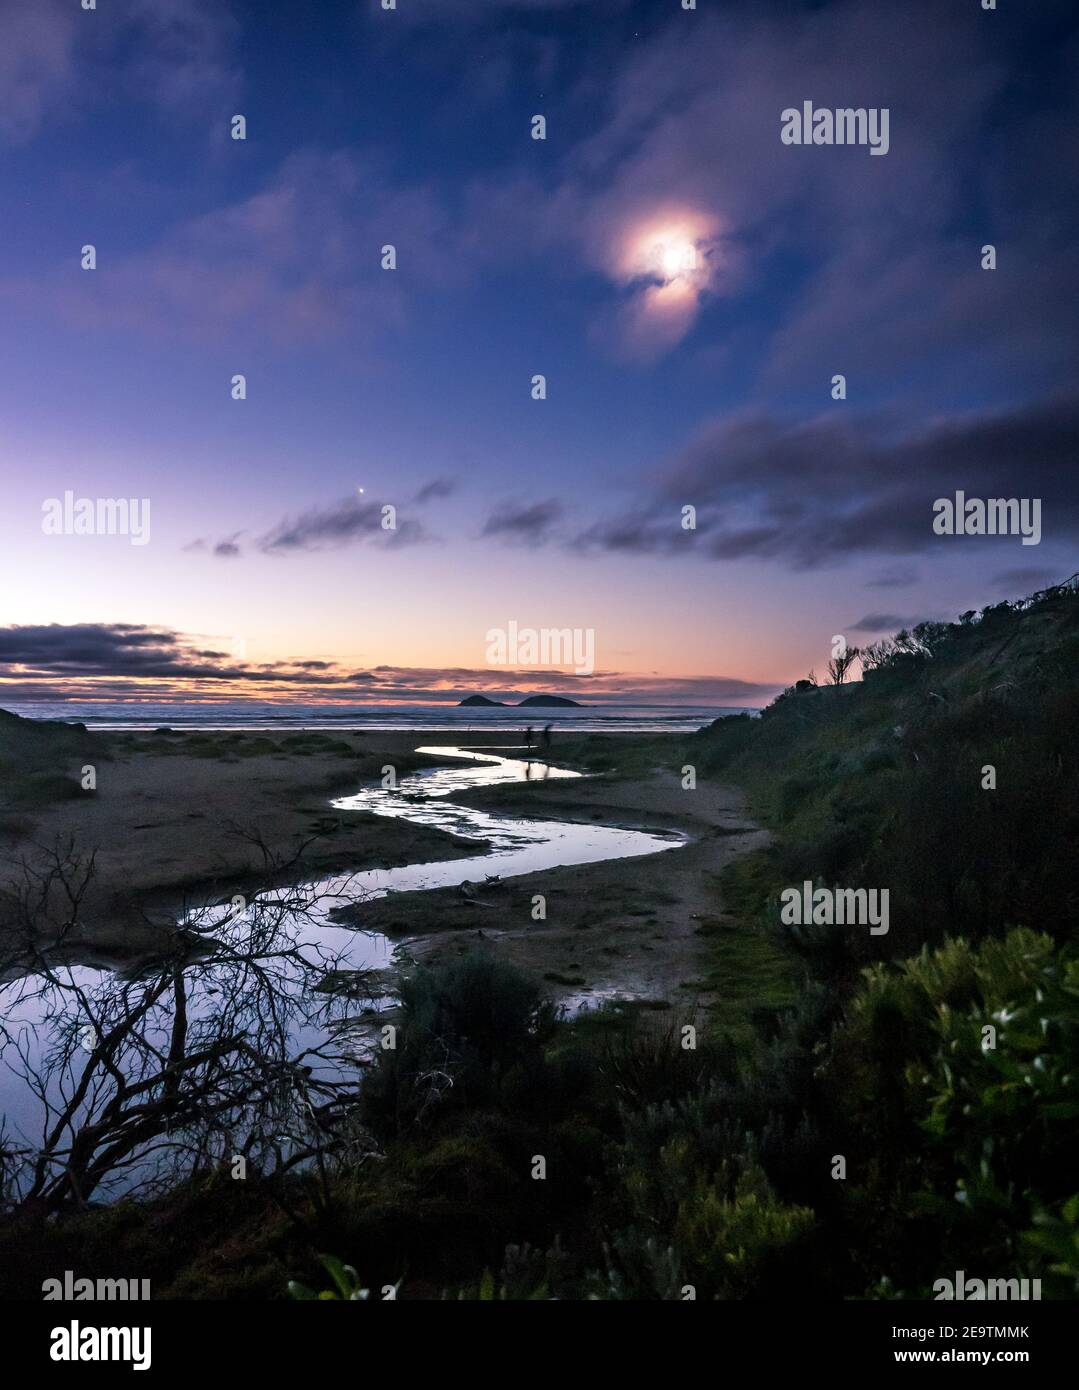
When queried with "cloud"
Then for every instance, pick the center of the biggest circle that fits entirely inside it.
(108, 649)
(349, 521)
(228, 549)
(57, 60)
(883, 622)
(697, 123)
(815, 494)
(899, 578)
(436, 488)
(811, 494)
(1026, 579)
(450, 11)
(36, 64)
(668, 261)
(182, 56)
(677, 146)
(134, 661)
(524, 521)
(644, 530)
(74, 658)
(294, 263)
(862, 250)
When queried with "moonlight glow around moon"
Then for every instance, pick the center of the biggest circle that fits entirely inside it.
(668, 249)
(668, 260)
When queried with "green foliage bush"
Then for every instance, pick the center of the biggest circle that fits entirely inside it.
(465, 1029)
(956, 1074)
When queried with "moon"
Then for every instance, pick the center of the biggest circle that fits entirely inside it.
(667, 249)
(678, 258)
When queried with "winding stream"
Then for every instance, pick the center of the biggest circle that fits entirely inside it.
(512, 845)
(515, 845)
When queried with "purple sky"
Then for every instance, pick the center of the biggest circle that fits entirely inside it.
(687, 284)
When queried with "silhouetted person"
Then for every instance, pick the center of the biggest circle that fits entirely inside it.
(546, 742)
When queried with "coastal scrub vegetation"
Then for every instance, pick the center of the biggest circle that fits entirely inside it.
(940, 1062)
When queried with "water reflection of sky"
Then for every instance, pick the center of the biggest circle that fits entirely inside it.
(512, 846)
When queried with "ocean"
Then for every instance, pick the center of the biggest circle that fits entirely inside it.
(255, 714)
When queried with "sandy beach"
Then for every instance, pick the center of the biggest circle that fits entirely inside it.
(622, 927)
(182, 818)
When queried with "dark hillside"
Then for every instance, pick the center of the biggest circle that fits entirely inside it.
(40, 762)
(887, 782)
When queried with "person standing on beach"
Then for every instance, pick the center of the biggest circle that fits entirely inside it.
(546, 742)
(528, 750)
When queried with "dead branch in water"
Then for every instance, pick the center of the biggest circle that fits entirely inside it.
(182, 1064)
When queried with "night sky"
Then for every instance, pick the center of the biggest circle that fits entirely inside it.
(687, 284)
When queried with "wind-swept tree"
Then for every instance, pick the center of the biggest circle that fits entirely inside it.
(839, 666)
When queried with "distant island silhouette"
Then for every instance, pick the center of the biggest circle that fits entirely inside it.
(531, 700)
